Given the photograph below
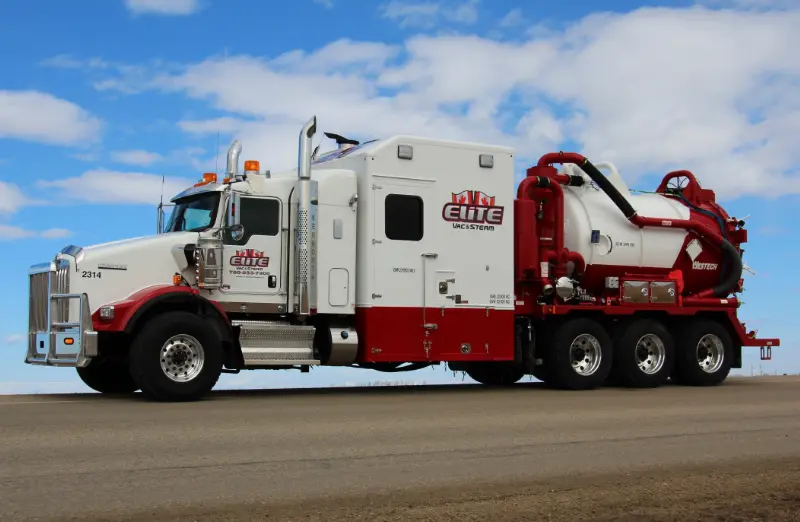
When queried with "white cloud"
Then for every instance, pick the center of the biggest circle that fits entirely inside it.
(513, 18)
(426, 15)
(86, 156)
(223, 125)
(163, 7)
(136, 157)
(411, 15)
(11, 233)
(14, 339)
(751, 4)
(66, 61)
(343, 54)
(722, 100)
(463, 13)
(11, 198)
(55, 233)
(200, 159)
(113, 187)
(41, 117)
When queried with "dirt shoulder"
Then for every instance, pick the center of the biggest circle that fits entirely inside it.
(744, 491)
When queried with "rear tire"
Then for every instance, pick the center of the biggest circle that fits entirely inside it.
(177, 356)
(495, 374)
(580, 355)
(644, 355)
(108, 376)
(704, 354)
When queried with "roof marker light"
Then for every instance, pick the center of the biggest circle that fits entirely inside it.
(405, 152)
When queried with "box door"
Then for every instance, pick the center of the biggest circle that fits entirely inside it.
(400, 242)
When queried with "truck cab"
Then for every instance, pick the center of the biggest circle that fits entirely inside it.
(373, 255)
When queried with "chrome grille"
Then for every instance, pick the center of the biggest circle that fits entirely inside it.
(41, 286)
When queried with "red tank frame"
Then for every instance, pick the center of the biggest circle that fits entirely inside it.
(539, 246)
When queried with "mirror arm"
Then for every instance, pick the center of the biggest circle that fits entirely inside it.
(232, 222)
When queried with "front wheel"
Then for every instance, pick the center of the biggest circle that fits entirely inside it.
(176, 356)
(108, 376)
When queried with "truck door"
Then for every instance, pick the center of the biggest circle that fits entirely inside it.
(253, 263)
(400, 242)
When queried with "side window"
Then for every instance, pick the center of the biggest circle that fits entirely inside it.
(259, 217)
(404, 217)
(196, 218)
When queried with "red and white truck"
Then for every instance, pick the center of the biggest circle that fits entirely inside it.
(402, 253)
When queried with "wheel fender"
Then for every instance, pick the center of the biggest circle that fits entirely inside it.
(129, 312)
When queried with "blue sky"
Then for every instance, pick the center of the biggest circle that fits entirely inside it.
(100, 98)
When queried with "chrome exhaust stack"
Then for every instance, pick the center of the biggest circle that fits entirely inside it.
(234, 151)
(306, 220)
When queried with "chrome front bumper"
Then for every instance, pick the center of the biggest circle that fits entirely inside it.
(59, 333)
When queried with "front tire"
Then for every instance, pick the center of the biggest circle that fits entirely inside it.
(177, 356)
(108, 376)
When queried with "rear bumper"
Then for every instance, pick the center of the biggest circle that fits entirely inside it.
(60, 329)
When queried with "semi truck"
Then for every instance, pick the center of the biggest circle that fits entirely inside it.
(401, 253)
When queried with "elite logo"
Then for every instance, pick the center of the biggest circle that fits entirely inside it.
(473, 210)
(250, 257)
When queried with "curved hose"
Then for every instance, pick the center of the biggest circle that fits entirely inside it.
(729, 283)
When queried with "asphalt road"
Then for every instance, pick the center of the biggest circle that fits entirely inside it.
(428, 453)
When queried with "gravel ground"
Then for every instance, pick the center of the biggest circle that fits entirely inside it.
(432, 453)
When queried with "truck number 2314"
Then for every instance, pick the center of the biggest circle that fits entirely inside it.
(89, 273)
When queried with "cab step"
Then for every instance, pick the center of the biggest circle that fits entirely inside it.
(274, 343)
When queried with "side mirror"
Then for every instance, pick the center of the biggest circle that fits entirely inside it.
(233, 220)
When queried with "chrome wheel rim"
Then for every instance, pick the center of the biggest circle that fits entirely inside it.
(182, 358)
(710, 353)
(650, 354)
(585, 354)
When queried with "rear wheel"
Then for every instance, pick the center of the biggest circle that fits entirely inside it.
(580, 355)
(704, 354)
(643, 355)
(108, 375)
(177, 356)
(495, 374)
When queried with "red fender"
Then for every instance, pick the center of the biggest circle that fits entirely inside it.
(126, 309)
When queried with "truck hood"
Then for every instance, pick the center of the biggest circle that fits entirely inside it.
(110, 272)
(125, 251)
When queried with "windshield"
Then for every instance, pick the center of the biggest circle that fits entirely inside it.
(193, 213)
